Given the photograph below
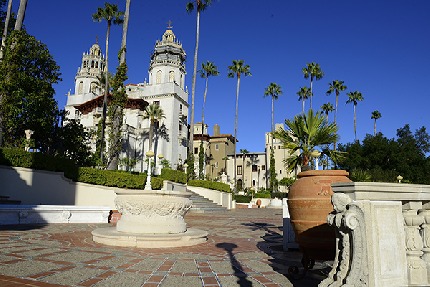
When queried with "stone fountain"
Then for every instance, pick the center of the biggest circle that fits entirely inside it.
(152, 219)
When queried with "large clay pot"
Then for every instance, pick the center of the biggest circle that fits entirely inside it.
(309, 203)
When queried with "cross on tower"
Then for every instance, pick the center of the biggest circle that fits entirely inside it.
(169, 24)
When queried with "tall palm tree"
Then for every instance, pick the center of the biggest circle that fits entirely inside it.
(336, 86)
(312, 71)
(6, 27)
(327, 108)
(200, 6)
(354, 98)
(208, 69)
(111, 14)
(375, 116)
(273, 90)
(304, 93)
(21, 14)
(244, 152)
(236, 70)
(154, 113)
(117, 113)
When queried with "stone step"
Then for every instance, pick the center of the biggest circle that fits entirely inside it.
(204, 205)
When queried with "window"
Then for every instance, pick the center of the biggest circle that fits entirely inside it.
(216, 164)
(263, 167)
(158, 78)
(196, 150)
(216, 147)
(280, 171)
(85, 64)
(239, 170)
(157, 103)
(180, 109)
(171, 76)
(92, 64)
(254, 167)
(253, 182)
(77, 114)
(80, 87)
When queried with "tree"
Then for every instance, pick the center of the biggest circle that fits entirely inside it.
(327, 108)
(336, 86)
(273, 90)
(119, 97)
(154, 113)
(21, 14)
(304, 134)
(312, 71)
(236, 70)
(208, 69)
(273, 180)
(354, 98)
(200, 6)
(375, 116)
(28, 73)
(244, 152)
(111, 14)
(304, 93)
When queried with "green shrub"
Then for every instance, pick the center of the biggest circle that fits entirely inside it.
(210, 185)
(279, 195)
(263, 195)
(174, 175)
(242, 198)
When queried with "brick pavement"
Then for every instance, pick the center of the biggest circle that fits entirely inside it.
(244, 248)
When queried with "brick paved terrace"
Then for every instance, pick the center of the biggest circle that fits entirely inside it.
(244, 248)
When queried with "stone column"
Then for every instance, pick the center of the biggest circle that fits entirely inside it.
(425, 232)
(417, 270)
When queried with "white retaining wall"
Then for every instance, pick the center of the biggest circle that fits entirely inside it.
(36, 187)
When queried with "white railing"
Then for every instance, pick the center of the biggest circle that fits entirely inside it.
(382, 235)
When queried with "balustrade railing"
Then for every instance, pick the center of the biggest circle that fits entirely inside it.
(382, 235)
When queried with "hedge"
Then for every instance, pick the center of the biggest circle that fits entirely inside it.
(174, 175)
(210, 185)
(242, 198)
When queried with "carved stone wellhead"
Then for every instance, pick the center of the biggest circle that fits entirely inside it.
(382, 235)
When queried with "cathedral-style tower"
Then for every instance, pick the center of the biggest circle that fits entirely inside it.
(167, 61)
(92, 67)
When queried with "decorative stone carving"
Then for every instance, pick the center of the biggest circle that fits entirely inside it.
(425, 213)
(349, 267)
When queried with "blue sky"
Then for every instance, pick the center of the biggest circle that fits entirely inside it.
(378, 47)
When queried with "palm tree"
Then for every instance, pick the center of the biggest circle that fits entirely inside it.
(305, 133)
(304, 93)
(236, 70)
(375, 116)
(327, 108)
(111, 14)
(21, 14)
(208, 69)
(354, 97)
(200, 6)
(336, 86)
(124, 31)
(244, 152)
(273, 90)
(312, 71)
(153, 113)
(5, 30)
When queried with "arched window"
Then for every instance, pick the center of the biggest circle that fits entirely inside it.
(97, 64)
(80, 87)
(92, 64)
(93, 88)
(85, 64)
(158, 79)
(171, 76)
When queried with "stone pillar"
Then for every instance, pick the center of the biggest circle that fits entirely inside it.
(425, 232)
(417, 270)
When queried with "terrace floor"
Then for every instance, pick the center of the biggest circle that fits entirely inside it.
(244, 248)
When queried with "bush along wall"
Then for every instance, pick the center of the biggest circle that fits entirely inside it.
(173, 175)
(210, 185)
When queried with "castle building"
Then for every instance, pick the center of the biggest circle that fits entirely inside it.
(166, 88)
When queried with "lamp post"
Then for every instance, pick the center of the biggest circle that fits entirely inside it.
(160, 158)
(316, 154)
(149, 155)
(399, 178)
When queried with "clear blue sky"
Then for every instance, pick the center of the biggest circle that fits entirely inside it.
(378, 47)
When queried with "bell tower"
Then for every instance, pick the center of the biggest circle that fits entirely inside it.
(91, 70)
(167, 61)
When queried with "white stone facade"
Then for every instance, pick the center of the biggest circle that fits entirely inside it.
(165, 88)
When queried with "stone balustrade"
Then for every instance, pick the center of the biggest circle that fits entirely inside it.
(382, 235)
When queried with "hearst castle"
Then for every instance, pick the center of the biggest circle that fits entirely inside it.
(166, 88)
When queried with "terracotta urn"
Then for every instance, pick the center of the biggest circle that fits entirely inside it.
(309, 203)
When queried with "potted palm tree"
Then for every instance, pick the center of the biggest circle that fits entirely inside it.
(307, 137)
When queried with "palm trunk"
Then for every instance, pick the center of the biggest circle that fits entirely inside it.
(105, 95)
(6, 25)
(118, 117)
(303, 106)
(335, 116)
(203, 120)
(311, 95)
(273, 120)
(355, 124)
(235, 130)
(21, 14)
(193, 86)
(374, 128)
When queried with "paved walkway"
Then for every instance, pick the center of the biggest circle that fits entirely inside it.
(244, 248)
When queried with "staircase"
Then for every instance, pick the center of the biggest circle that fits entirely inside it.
(204, 205)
